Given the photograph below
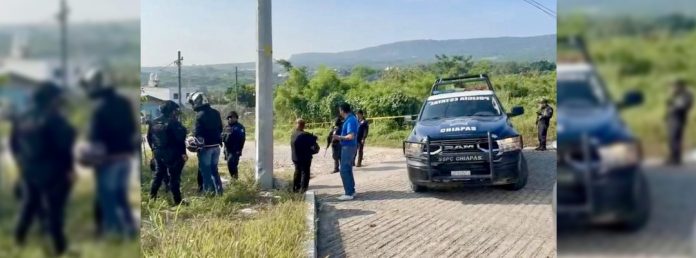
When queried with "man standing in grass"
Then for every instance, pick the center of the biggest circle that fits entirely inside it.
(113, 140)
(167, 137)
(349, 142)
(233, 137)
(303, 146)
(208, 128)
(42, 140)
(678, 107)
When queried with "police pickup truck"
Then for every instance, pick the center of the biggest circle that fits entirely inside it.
(599, 179)
(463, 137)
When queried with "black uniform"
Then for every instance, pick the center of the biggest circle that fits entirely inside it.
(42, 141)
(335, 146)
(363, 130)
(233, 136)
(114, 124)
(301, 145)
(678, 107)
(543, 121)
(208, 126)
(167, 137)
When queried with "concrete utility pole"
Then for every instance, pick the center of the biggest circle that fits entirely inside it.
(63, 20)
(178, 64)
(264, 97)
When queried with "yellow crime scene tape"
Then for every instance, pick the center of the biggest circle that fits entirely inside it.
(407, 117)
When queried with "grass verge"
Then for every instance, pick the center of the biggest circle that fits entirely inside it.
(79, 226)
(216, 226)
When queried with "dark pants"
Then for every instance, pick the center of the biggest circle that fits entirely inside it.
(48, 204)
(300, 182)
(359, 154)
(336, 151)
(543, 127)
(172, 172)
(199, 179)
(675, 132)
(233, 165)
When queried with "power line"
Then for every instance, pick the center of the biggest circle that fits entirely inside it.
(546, 8)
(541, 7)
(166, 66)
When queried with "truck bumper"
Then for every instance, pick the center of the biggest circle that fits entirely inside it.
(504, 169)
(605, 199)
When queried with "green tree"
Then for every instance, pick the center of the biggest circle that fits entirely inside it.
(285, 64)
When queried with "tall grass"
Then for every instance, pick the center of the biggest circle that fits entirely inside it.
(210, 226)
(79, 226)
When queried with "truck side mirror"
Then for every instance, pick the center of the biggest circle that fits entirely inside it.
(631, 98)
(516, 111)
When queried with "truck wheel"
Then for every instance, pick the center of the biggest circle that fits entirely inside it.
(418, 188)
(640, 213)
(522, 179)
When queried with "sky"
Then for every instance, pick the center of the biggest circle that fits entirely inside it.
(214, 31)
(14, 12)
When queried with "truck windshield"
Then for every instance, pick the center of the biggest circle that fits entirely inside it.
(481, 105)
(580, 93)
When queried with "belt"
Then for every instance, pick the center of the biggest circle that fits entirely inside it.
(211, 146)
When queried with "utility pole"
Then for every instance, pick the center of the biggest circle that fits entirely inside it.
(264, 97)
(236, 90)
(178, 64)
(63, 20)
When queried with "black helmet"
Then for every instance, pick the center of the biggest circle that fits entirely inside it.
(232, 114)
(169, 107)
(46, 93)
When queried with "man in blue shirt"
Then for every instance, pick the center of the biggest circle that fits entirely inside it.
(349, 143)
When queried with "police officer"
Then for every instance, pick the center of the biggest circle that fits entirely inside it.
(113, 139)
(678, 106)
(208, 128)
(167, 136)
(363, 130)
(543, 121)
(303, 145)
(233, 137)
(42, 141)
(335, 144)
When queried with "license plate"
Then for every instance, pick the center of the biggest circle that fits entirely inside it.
(461, 173)
(565, 176)
(463, 158)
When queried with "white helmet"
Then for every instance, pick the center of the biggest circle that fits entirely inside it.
(197, 99)
(91, 154)
(94, 81)
(193, 144)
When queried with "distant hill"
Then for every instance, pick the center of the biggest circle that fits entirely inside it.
(116, 42)
(423, 51)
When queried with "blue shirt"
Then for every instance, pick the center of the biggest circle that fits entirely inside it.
(350, 126)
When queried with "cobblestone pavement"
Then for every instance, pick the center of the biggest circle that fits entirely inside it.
(388, 220)
(669, 233)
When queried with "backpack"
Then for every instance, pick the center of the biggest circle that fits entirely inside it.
(30, 145)
(315, 146)
(160, 137)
